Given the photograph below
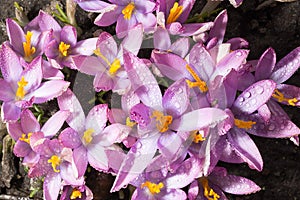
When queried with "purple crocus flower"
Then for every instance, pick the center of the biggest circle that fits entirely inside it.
(161, 184)
(91, 140)
(79, 191)
(56, 164)
(20, 88)
(158, 118)
(107, 67)
(127, 14)
(172, 16)
(22, 130)
(213, 185)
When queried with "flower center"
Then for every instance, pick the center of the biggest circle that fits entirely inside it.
(199, 83)
(21, 91)
(55, 161)
(280, 97)
(25, 138)
(63, 49)
(75, 194)
(162, 121)
(87, 135)
(28, 49)
(129, 122)
(127, 11)
(153, 188)
(175, 12)
(113, 67)
(198, 136)
(243, 124)
(208, 192)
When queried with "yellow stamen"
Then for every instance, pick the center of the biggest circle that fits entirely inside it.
(198, 136)
(75, 194)
(280, 97)
(153, 188)
(175, 12)
(55, 161)
(113, 67)
(163, 121)
(63, 48)
(199, 83)
(28, 49)
(127, 11)
(25, 138)
(243, 124)
(21, 91)
(129, 122)
(87, 135)
(208, 192)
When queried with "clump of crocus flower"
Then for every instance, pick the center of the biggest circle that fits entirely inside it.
(175, 133)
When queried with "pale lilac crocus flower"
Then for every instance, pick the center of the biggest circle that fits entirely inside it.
(20, 88)
(22, 130)
(158, 118)
(219, 181)
(107, 67)
(92, 141)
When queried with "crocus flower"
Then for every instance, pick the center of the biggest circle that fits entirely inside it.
(172, 16)
(158, 118)
(79, 191)
(127, 14)
(161, 184)
(107, 67)
(20, 88)
(22, 130)
(91, 140)
(211, 187)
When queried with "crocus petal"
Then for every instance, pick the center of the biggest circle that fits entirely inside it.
(254, 96)
(103, 82)
(97, 118)
(185, 174)
(194, 120)
(169, 144)
(97, 157)
(10, 112)
(22, 149)
(107, 46)
(115, 158)
(51, 186)
(161, 39)
(238, 43)
(92, 6)
(289, 92)
(144, 6)
(148, 20)
(88, 64)
(68, 101)
(202, 61)
(193, 190)
(187, 7)
(278, 126)
(181, 47)
(176, 98)
(133, 41)
(114, 133)
(171, 193)
(15, 130)
(236, 3)
(136, 160)
(143, 81)
(6, 92)
(68, 35)
(129, 100)
(85, 47)
(170, 65)
(265, 65)
(245, 148)
(80, 160)
(33, 74)
(219, 28)
(54, 123)
(228, 153)
(49, 90)
(235, 184)
(108, 15)
(70, 138)
(10, 65)
(124, 25)
(287, 66)
(16, 35)
(28, 122)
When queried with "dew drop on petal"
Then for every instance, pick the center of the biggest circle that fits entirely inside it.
(241, 99)
(247, 94)
(238, 54)
(271, 127)
(259, 89)
(253, 101)
(138, 145)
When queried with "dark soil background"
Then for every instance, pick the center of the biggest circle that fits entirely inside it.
(263, 24)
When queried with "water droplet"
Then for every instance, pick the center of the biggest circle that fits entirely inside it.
(253, 101)
(271, 127)
(259, 89)
(241, 99)
(247, 94)
(138, 145)
(238, 54)
(247, 105)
